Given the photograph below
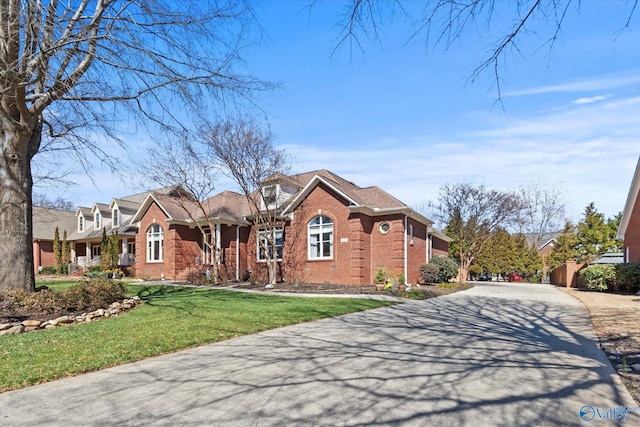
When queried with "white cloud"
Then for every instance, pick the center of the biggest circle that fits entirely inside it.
(596, 83)
(591, 100)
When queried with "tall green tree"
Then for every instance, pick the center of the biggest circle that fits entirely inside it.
(105, 261)
(65, 256)
(505, 253)
(112, 250)
(57, 248)
(594, 235)
(564, 247)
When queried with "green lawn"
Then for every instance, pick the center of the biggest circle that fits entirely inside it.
(171, 319)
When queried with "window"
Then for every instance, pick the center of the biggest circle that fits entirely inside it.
(131, 248)
(95, 251)
(96, 220)
(411, 234)
(385, 227)
(155, 243)
(321, 238)
(270, 239)
(80, 224)
(115, 214)
(270, 195)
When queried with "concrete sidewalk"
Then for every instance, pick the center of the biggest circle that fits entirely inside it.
(496, 355)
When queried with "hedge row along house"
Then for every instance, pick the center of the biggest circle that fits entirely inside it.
(328, 230)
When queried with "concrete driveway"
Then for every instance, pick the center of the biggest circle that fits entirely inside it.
(496, 355)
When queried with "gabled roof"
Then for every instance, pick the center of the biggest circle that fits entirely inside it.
(631, 202)
(370, 200)
(228, 206)
(85, 211)
(102, 207)
(124, 205)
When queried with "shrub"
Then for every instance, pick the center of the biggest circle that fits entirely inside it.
(49, 269)
(381, 276)
(599, 277)
(98, 293)
(627, 277)
(429, 273)
(448, 268)
(401, 279)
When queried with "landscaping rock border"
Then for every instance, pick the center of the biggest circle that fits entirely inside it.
(114, 309)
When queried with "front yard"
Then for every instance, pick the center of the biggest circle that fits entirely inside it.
(171, 319)
(615, 322)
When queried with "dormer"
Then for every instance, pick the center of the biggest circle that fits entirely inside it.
(276, 190)
(115, 215)
(84, 217)
(99, 218)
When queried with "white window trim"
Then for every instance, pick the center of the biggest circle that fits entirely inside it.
(150, 249)
(115, 218)
(81, 223)
(96, 220)
(320, 228)
(259, 235)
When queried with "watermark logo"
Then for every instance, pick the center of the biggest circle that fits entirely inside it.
(589, 413)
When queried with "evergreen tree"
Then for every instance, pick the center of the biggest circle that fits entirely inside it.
(105, 263)
(57, 248)
(112, 251)
(594, 236)
(66, 249)
(564, 248)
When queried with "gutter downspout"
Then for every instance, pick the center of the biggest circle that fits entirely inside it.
(237, 252)
(406, 281)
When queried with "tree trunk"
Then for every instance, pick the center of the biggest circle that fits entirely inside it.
(18, 146)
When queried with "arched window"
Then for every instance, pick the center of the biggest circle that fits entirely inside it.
(155, 243)
(321, 238)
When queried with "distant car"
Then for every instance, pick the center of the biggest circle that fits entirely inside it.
(515, 277)
(485, 277)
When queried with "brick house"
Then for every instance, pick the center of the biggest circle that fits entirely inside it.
(629, 229)
(330, 230)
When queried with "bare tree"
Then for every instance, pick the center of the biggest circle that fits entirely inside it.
(543, 211)
(443, 22)
(43, 201)
(74, 70)
(472, 215)
(179, 163)
(245, 152)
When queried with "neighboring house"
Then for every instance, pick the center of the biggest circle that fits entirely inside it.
(330, 230)
(45, 221)
(544, 242)
(629, 229)
(85, 228)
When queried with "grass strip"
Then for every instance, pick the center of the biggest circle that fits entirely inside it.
(172, 318)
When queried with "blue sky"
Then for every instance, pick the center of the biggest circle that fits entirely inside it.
(408, 120)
